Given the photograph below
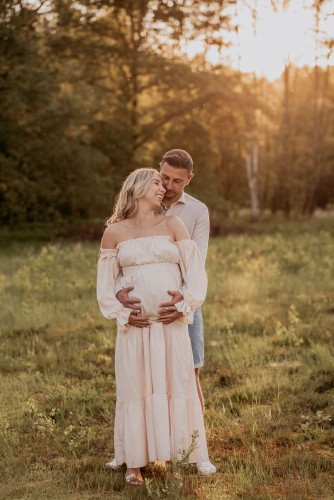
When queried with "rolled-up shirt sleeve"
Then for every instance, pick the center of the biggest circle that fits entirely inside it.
(195, 281)
(107, 272)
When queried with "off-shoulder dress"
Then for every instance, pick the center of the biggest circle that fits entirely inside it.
(157, 407)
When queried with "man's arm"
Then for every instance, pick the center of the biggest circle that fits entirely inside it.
(201, 231)
(118, 284)
(168, 312)
(122, 294)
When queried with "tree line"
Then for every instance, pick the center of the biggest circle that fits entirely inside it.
(91, 89)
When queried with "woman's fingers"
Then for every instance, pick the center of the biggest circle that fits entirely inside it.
(166, 311)
(138, 321)
(169, 318)
(166, 317)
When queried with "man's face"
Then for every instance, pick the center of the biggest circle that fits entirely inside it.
(174, 180)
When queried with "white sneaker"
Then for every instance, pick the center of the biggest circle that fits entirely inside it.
(112, 465)
(206, 468)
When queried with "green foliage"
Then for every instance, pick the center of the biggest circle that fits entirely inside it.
(268, 379)
(174, 484)
(288, 336)
(92, 90)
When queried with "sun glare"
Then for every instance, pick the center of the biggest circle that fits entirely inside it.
(266, 44)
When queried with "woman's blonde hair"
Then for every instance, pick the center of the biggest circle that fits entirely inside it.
(135, 186)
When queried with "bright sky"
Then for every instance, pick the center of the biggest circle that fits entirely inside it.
(280, 36)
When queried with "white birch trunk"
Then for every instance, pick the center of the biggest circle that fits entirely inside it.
(252, 162)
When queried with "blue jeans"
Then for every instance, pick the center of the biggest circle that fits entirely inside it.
(196, 334)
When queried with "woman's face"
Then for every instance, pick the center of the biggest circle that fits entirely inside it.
(156, 191)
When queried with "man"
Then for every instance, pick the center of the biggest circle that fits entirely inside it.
(176, 169)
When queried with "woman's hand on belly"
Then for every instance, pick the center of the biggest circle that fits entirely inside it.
(138, 321)
(169, 316)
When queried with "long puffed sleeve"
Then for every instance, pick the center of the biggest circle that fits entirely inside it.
(107, 271)
(194, 277)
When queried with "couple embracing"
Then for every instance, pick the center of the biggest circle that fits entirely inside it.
(152, 280)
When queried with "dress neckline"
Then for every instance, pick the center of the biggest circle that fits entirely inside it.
(146, 238)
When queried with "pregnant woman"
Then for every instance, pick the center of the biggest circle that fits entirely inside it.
(157, 407)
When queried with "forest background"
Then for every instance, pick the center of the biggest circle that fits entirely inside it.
(92, 89)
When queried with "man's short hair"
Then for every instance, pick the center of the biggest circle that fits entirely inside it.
(178, 158)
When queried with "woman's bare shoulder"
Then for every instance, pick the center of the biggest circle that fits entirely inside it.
(170, 218)
(177, 227)
(112, 234)
(174, 220)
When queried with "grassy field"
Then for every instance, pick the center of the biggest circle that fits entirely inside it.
(268, 379)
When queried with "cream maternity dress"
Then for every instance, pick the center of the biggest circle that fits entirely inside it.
(157, 407)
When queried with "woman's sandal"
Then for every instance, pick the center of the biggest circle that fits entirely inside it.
(161, 464)
(133, 479)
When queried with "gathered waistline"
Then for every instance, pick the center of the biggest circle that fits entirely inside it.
(169, 264)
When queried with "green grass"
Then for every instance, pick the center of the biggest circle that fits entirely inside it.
(268, 379)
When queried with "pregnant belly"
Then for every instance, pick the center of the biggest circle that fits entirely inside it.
(151, 283)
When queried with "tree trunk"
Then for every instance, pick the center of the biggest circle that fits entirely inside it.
(252, 162)
(319, 120)
(283, 182)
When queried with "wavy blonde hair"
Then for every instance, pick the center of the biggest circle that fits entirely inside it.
(135, 186)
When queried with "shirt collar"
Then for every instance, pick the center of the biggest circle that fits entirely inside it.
(181, 199)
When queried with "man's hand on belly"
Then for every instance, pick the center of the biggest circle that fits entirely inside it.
(127, 301)
(132, 303)
(168, 312)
